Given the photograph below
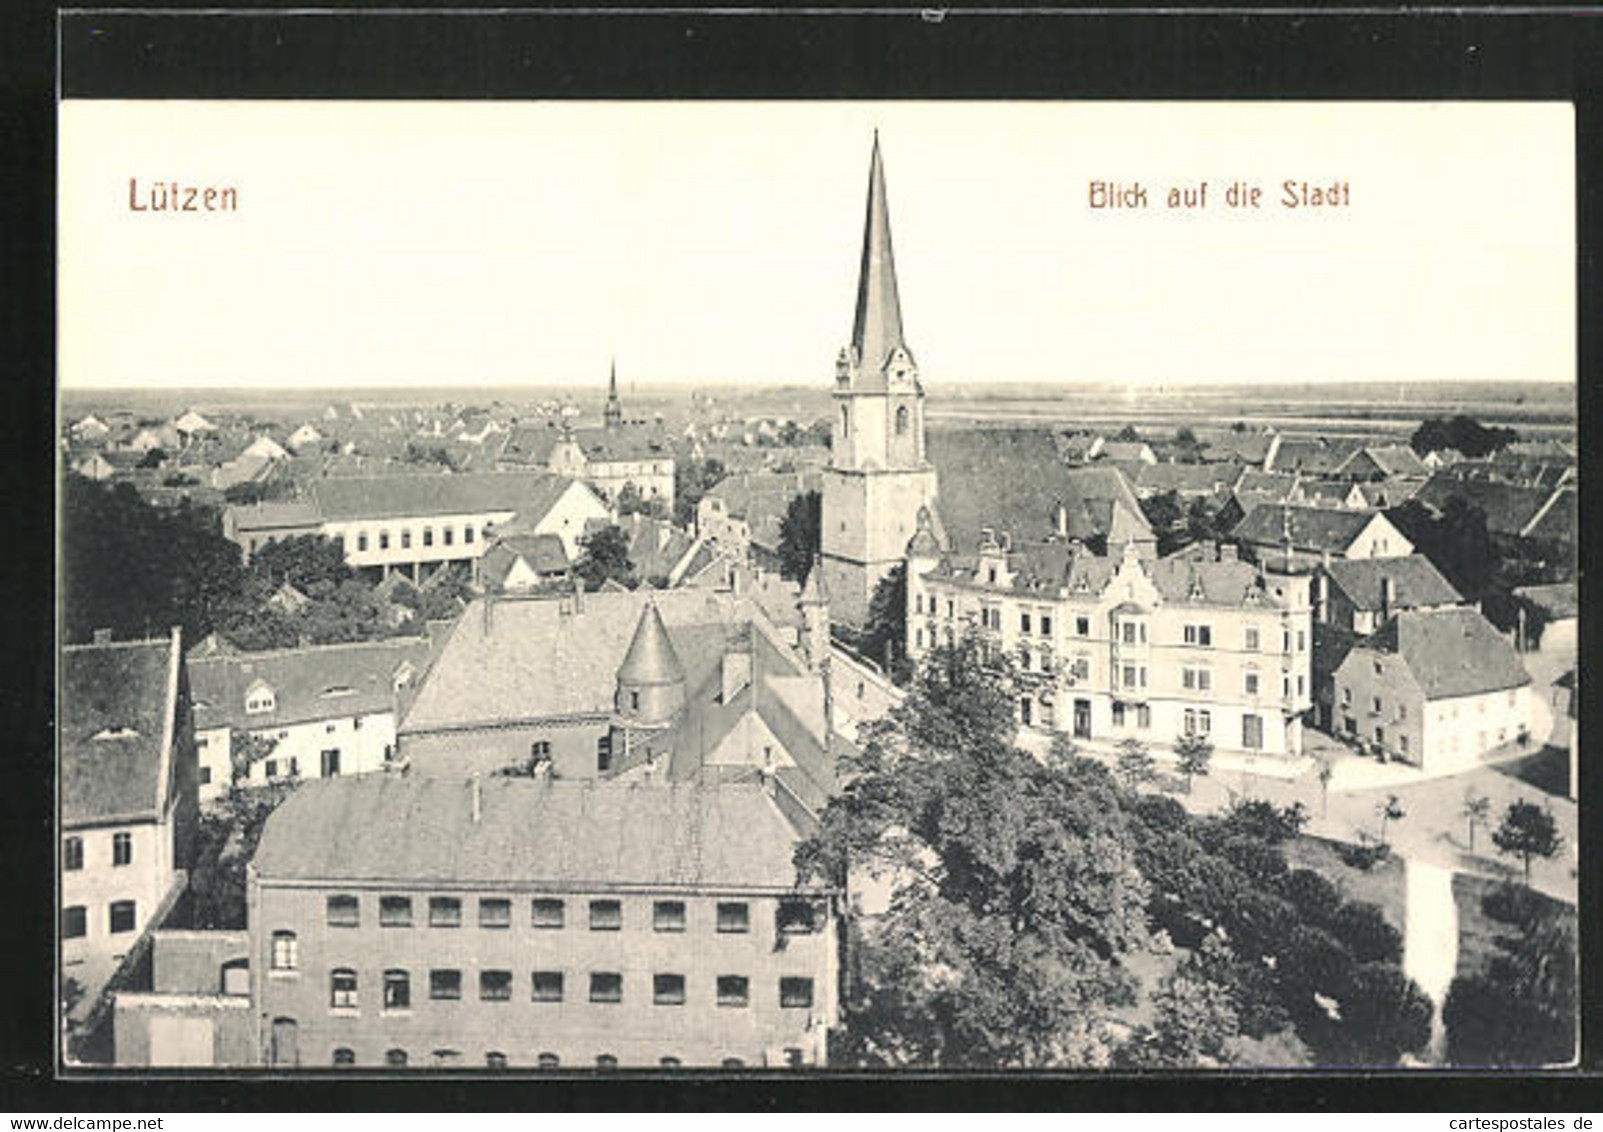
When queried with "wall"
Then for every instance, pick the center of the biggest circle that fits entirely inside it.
(636, 1031)
(1283, 664)
(140, 1019)
(1459, 731)
(191, 962)
(146, 880)
(361, 740)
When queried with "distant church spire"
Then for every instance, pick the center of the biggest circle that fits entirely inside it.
(877, 329)
(614, 410)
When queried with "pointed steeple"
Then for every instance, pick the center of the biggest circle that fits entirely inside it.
(651, 658)
(614, 410)
(877, 329)
(651, 680)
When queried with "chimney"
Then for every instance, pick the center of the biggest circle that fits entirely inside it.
(578, 594)
(1388, 596)
(476, 794)
(1227, 552)
(102, 636)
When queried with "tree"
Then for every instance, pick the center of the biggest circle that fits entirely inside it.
(631, 501)
(692, 479)
(1134, 765)
(1166, 517)
(801, 536)
(1457, 542)
(1195, 753)
(139, 570)
(605, 558)
(343, 613)
(1015, 891)
(1128, 434)
(1463, 433)
(154, 458)
(1187, 447)
(302, 561)
(245, 750)
(1389, 810)
(1522, 1009)
(227, 838)
(884, 638)
(1528, 831)
(820, 433)
(1194, 1020)
(1477, 810)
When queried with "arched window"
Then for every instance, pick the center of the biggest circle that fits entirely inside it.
(286, 951)
(397, 990)
(343, 1056)
(548, 1061)
(342, 988)
(901, 420)
(671, 1063)
(606, 1061)
(395, 1059)
(495, 1060)
(734, 1063)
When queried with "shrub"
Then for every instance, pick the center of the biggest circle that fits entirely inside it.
(1362, 857)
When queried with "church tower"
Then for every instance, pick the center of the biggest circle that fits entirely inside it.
(613, 414)
(878, 476)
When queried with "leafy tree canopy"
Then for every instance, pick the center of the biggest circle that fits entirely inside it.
(1464, 433)
(605, 558)
(801, 536)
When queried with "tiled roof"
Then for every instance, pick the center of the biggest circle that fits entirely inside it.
(1180, 580)
(544, 554)
(404, 496)
(531, 444)
(309, 684)
(1561, 599)
(1311, 455)
(1398, 460)
(115, 710)
(1012, 480)
(1508, 509)
(1451, 652)
(1312, 528)
(757, 496)
(1192, 478)
(534, 658)
(572, 835)
(1415, 581)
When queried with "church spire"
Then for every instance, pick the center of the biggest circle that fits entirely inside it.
(877, 329)
(614, 410)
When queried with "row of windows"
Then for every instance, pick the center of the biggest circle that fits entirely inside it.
(121, 917)
(345, 911)
(122, 851)
(1129, 631)
(447, 537)
(445, 985)
(494, 1059)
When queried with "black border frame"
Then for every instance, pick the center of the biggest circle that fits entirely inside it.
(261, 52)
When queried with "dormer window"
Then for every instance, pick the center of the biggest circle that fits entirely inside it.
(260, 699)
(333, 691)
(116, 733)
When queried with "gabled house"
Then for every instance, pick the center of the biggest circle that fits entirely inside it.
(520, 563)
(128, 802)
(192, 424)
(1382, 462)
(1361, 594)
(1306, 536)
(1439, 689)
(323, 710)
(303, 437)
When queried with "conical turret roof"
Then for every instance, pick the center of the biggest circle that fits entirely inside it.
(651, 658)
(877, 329)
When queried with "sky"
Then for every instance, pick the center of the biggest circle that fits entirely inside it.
(510, 244)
